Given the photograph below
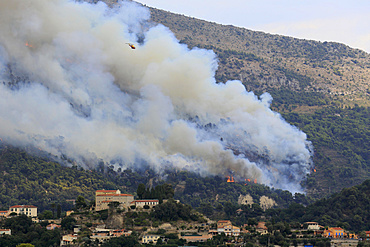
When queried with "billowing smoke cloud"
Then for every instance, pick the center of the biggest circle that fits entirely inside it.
(70, 85)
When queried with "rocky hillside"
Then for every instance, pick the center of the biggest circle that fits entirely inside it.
(263, 61)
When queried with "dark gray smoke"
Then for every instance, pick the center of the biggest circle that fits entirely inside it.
(73, 87)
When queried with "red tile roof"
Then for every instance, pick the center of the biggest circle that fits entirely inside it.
(23, 206)
(106, 190)
(115, 195)
(336, 228)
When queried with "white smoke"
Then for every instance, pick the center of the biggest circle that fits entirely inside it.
(73, 87)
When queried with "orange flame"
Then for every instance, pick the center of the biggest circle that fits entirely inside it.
(230, 179)
(28, 44)
(255, 181)
(314, 170)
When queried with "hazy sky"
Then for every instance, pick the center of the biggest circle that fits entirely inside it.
(341, 21)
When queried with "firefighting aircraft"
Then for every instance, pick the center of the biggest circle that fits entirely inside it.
(131, 45)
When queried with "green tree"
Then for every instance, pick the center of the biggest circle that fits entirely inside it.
(59, 211)
(68, 223)
(80, 202)
(140, 191)
(122, 241)
(53, 205)
(47, 214)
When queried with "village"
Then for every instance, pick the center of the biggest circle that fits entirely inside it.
(87, 225)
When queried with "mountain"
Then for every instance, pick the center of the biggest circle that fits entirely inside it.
(341, 153)
(264, 62)
(320, 87)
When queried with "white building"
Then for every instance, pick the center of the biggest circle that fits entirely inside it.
(29, 210)
(5, 232)
(104, 197)
(4, 214)
(313, 226)
(225, 226)
(149, 202)
(68, 239)
(150, 239)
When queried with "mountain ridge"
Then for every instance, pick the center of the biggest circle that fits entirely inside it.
(276, 61)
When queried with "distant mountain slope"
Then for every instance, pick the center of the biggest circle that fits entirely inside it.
(304, 77)
(263, 61)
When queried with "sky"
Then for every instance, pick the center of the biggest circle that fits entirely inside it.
(340, 21)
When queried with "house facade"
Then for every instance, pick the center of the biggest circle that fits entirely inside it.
(4, 214)
(5, 232)
(104, 197)
(68, 239)
(262, 228)
(52, 226)
(226, 227)
(334, 232)
(146, 239)
(149, 202)
(312, 225)
(29, 210)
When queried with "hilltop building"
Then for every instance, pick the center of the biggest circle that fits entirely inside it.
(5, 232)
(68, 239)
(262, 228)
(4, 214)
(149, 202)
(52, 226)
(29, 210)
(313, 226)
(225, 226)
(104, 197)
(149, 238)
(334, 232)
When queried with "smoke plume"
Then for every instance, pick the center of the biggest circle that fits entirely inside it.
(73, 87)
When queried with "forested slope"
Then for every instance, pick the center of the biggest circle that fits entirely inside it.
(349, 209)
(29, 180)
(26, 179)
